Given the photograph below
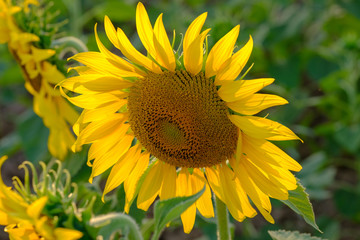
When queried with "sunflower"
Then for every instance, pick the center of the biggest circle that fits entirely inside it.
(180, 121)
(40, 78)
(24, 220)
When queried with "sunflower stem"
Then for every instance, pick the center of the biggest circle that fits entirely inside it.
(222, 217)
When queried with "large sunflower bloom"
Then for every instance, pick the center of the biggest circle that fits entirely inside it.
(23, 219)
(40, 78)
(187, 115)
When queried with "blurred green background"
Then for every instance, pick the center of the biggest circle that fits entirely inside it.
(311, 48)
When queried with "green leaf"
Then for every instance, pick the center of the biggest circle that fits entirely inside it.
(351, 209)
(291, 235)
(167, 210)
(113, 223)
(299, 202)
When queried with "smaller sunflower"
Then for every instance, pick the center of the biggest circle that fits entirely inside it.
(182, 120)
(24, 220)
(40, 78)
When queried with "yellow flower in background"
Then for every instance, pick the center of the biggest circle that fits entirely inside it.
(186, 115)
(23, 220)
(40, 78)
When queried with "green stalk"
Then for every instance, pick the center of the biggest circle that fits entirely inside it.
(222, 217)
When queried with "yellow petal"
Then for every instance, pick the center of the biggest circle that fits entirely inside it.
(168, 188)
(193, 55)
(111, 32)
(232, 197)
(99, 129)
(101, 164)
(134, 55)
(239, 149)
(105, 111)
(237, 63)
(41, 54)
(114, 59)
(94, 83)
(193, 31)
(145, 29)
(121, 170)
(162, 45)
(212, 176)
(258, 127)
(92, 101)
(231, 91)
(193, 45)
(100, 148)
(256, 103)
(184, 188)
(270, 167)
(221, 52)
(270, 186)
(151, 186)
(273, 155)
(35, 208)
(68, 234)
(188, 218)
(67, 111)
(204, 203)
(103, 65)
(131, 182)
(260, 200)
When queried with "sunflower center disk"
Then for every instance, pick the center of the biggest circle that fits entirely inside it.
(180, 119)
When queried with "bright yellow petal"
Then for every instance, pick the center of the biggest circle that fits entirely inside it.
(273, 155)
(95, 83)
(122, 169)
(101, 164)
(239, 149)
(270, 187)
(184, 188)
(193, 55)
(151, 186)
(92, 101)
(256, 103)
(111, 32)
(258, 127)
(131, 182)
(134, 55)
(221, 52)
(163, 46)
(193, 45)
(99, 129)
(105, 111)
(270, 167)
(204, 203)
(261, 200)
(145, 29)
(100, 148)
(188, 218)
(193, 31)
(235, 90)
(35, 208)
(114, 59)
(68, 234)
(212, 177)
(168, 188)
(233, 202)
(237, 63)
(67, 111)
(103, 65)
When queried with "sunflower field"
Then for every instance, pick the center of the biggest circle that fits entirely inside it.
(186, 119)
